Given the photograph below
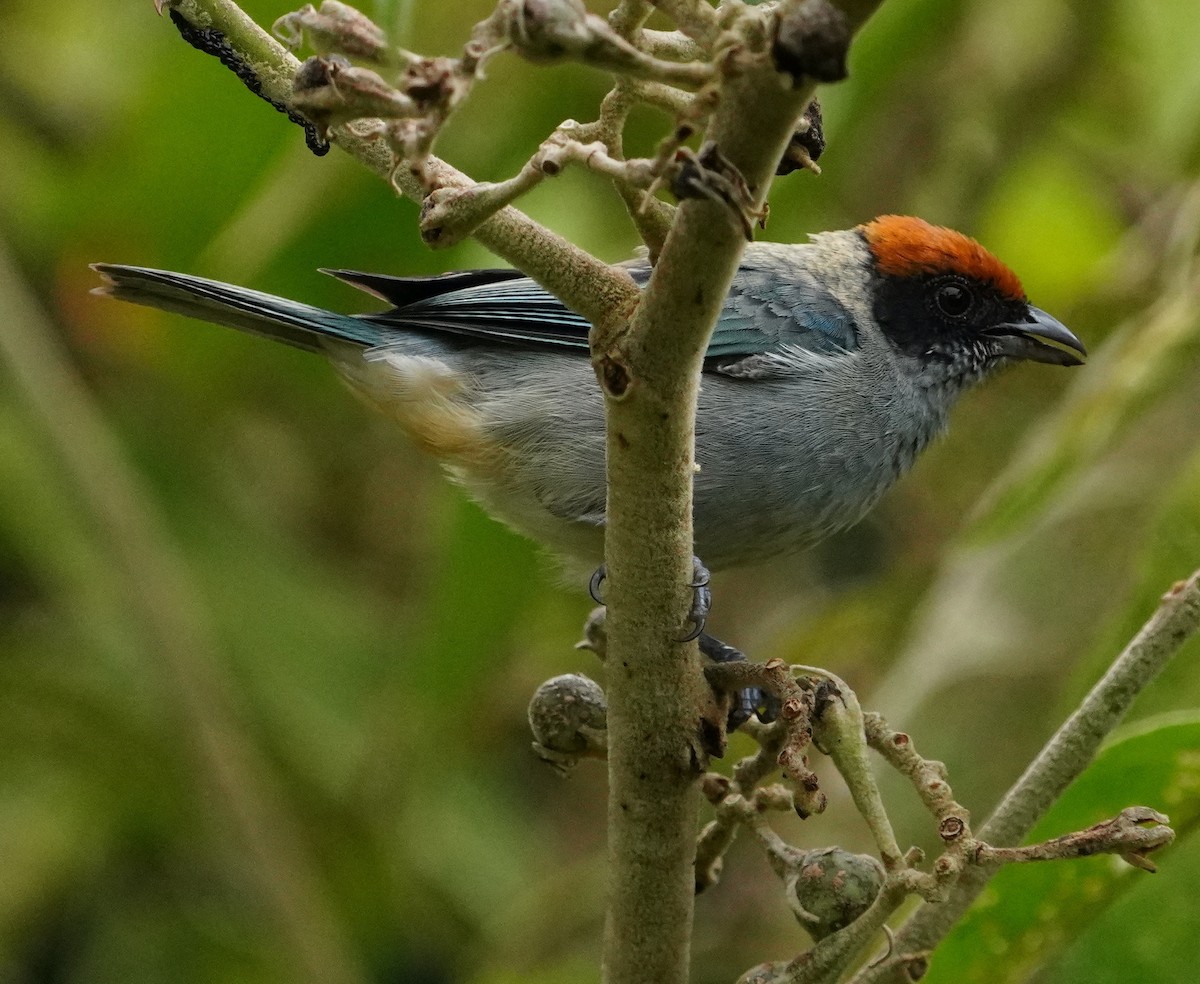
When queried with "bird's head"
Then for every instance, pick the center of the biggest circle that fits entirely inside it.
(944, 300)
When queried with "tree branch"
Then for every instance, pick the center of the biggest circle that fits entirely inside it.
(1063, 758)
(595, 289)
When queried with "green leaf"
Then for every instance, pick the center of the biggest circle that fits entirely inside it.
(1031, 914)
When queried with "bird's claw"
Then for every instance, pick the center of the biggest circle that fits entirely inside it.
(747, 702)
(701, 601)
(594, 583)
(701, 597)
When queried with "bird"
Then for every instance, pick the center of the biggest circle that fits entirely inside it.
(833, 364)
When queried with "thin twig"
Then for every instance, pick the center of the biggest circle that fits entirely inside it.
(671, 44)
(927, 775)
(840, 733)
(1133, 833)
(595, 289)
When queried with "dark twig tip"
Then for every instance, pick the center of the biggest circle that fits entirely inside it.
(807, 143)
(812, 41)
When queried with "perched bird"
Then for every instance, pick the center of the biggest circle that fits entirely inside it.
(833, 364)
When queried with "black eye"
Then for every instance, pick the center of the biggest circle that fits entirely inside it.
(953, 299)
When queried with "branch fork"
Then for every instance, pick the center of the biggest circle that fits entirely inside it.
(821, 711)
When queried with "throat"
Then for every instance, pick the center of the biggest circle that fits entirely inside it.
(944, 375)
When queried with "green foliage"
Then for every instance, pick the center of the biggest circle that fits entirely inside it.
(1050, 918)
(377, 637)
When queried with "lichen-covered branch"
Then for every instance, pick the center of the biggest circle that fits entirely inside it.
(778, 748)
(1133, 833)
(672, 45)
(449, 215)
(927, 776)
(839, 732)
(552, 30)
(831, 892)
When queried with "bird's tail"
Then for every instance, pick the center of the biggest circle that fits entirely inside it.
(290, 322)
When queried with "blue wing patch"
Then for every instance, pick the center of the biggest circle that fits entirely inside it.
(767, 310)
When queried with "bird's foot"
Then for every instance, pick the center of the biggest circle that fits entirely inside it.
(701, 598)
(747, 702)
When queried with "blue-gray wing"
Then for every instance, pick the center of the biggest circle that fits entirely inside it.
(768, 309)
(771, 309)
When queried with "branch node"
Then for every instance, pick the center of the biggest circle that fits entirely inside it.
(547, 31)
(336, 29)
(710, 175)
(697, 21)
(614, 377)
(331, 92)
(595, 636)
(715, 787)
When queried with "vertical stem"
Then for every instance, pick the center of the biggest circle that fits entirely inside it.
(654, 682)
(650, 375)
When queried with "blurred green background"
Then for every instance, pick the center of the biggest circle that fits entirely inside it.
(263, 673)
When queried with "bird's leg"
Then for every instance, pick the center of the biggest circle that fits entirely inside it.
(746, 702)
(701, 598)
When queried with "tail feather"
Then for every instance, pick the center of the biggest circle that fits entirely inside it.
(300, 325)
